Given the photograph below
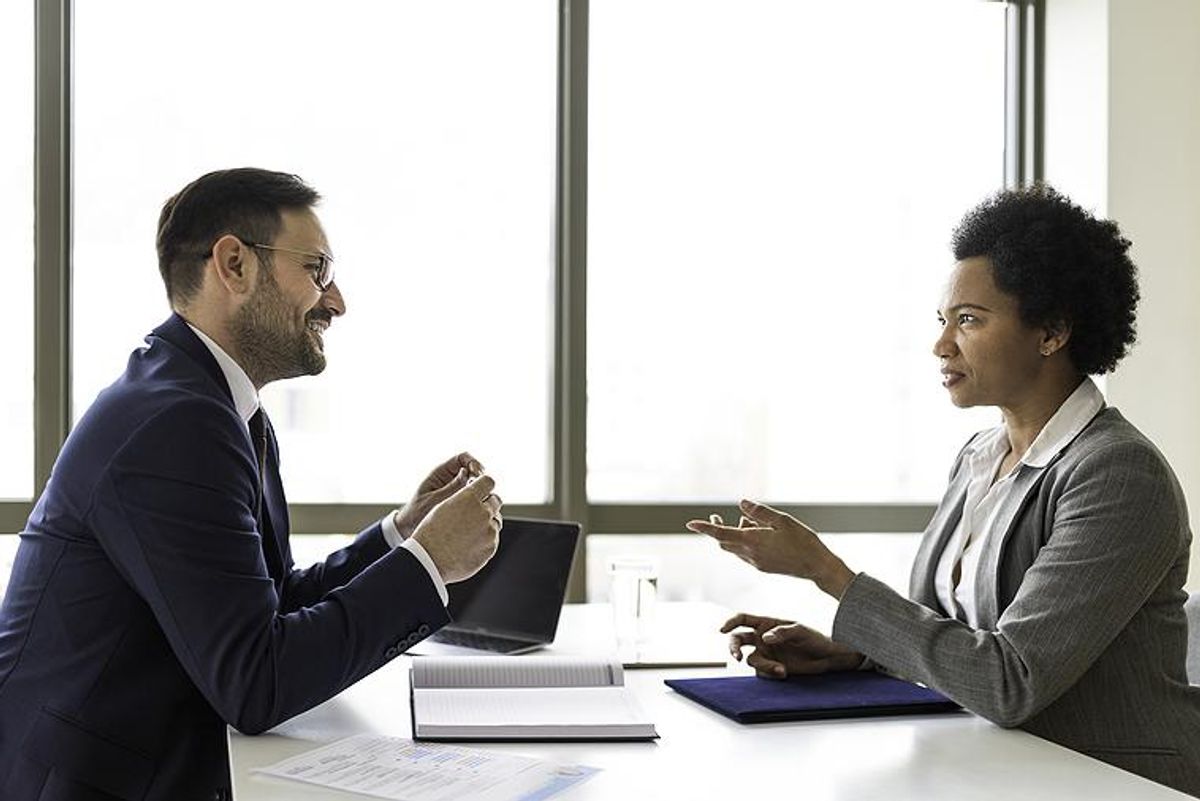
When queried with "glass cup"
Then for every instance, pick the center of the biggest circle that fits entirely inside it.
(633, 590)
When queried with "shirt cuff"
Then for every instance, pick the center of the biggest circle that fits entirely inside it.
(390, 532)
(417, 550)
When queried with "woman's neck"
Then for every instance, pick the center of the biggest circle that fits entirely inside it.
(1025, 420)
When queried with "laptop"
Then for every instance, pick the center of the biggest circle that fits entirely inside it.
(512, 605)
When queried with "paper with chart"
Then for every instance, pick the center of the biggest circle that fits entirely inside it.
(400, 769)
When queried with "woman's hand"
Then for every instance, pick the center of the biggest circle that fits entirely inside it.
(775, 542)
(784, 648)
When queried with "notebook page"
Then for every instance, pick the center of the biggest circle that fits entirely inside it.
(523, 706)
(515, 671)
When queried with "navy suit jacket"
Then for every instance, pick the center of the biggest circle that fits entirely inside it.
(147, 610)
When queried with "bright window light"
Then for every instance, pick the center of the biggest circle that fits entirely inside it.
(430, 129)
(772, 188)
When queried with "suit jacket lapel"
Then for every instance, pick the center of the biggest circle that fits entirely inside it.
(933, 542)
(987, 578)
(274, 521)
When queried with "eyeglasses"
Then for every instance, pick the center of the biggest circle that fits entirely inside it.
(322, 268)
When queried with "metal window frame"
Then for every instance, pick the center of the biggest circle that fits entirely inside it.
(53, 252)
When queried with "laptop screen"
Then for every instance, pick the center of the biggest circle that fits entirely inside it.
(520, 592)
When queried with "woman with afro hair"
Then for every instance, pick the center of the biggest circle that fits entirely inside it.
(1047, 589)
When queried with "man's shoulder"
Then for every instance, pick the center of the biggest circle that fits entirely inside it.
(162, 390)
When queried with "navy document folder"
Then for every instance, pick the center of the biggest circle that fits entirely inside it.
(843, 694)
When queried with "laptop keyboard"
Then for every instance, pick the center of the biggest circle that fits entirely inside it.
(482, 642)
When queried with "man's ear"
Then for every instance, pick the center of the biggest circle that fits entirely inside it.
(235, 269)
(1055, 337)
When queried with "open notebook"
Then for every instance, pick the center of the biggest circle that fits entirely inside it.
(517, 698)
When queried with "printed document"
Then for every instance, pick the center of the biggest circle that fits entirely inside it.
(400, 769)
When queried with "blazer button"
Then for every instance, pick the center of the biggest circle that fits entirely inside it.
(423, 630)
(391, 653)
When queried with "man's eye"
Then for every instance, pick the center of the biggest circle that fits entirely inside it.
(967, 318)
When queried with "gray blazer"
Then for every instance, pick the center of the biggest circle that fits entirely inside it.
(1082, 637)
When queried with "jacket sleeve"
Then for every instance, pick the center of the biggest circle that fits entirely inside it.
(306, 586)
(174, 512)
(1115, 532)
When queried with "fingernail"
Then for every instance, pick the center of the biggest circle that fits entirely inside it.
(770, 637)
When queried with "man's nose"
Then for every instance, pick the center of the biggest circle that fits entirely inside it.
(332, 300)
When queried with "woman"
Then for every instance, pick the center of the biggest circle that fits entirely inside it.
(1047, 589)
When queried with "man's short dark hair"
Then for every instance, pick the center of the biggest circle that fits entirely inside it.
(246, 202)
(1063, 265)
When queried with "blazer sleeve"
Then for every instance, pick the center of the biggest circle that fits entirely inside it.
(174, 512)
(306, 586)
(1115, 533)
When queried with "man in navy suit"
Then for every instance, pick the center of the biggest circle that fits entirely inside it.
(153, 599)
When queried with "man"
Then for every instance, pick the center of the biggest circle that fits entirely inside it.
(153, 599)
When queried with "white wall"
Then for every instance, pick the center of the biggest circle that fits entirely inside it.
(1123, 137)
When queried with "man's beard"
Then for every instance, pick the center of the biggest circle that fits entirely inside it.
(269, 346)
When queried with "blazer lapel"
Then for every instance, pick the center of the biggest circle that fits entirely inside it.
(933, 542)
(987, 578)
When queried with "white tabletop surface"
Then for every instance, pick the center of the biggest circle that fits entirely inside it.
(702, 755)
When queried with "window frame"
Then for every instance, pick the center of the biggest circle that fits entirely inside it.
(52, 281)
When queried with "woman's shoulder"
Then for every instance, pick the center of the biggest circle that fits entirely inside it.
(1110, 442)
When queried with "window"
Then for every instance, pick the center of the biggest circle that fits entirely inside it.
(772, 186)
(430, 130)
(16, 232)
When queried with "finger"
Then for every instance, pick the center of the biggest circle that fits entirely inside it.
(787, 632)
(718, 532)
(765, 666)
(454, 485)
(741, 639)
(493, 503)
(447, 469)
(761, 513)
(482, 486)
(756, 622)
(472, 465)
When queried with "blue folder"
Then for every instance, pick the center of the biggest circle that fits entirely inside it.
(844, 694)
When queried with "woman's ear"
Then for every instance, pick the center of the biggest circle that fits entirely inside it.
(1055, 337)
(234, 268)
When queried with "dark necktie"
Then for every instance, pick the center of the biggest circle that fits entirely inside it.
(258, 435)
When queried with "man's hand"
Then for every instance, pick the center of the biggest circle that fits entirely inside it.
(776, 542)
(461, 533)
(783, 648)
(446, 479)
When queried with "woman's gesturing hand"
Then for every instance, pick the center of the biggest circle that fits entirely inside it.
(776, 542)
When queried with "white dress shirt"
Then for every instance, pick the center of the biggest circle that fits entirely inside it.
(246, 401)
(986, 493)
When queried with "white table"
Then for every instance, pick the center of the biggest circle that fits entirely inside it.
(702, 755)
